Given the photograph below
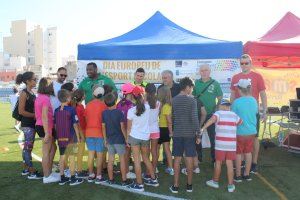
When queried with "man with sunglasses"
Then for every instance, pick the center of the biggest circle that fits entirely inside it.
(60, 80)
(258, 90)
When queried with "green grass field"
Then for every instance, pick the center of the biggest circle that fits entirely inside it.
(277, 166)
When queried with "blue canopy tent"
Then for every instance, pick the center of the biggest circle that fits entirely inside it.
(159, 38)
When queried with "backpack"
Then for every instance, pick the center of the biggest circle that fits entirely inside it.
(15, 114)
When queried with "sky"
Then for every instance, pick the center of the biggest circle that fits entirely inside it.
(84, 21)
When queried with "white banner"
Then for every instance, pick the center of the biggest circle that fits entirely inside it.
(122, 71)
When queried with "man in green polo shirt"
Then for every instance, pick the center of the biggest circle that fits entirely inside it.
(139, 76)
(94, 79)
(210, 94)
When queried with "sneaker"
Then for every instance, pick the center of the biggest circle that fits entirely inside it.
(25, 172)
(151, 182)
(64, 180)
(91, 178)
(197, 170)
(174, 189)
(126, 183)
(253, 169)
(238, 179)
(82, 175)
(111, 182)
(146, 176)
(67, 173)
(212, 183)
(231, 188)
(76, 181)
(184, 171)
(131, 175)
(50, 179)
(170, 171)
(189, 188)
(56, 175)
(100, 180)
(137, 187)
(247, 178)
(34, 176)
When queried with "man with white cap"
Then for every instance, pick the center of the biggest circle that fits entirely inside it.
(246, 107)
(257, 90)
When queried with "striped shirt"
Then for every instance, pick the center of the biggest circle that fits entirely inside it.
(226, 125)
(185, 116)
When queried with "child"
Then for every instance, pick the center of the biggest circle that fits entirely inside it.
(77, 98)
(66, 123)
(225, 149)
(186, 131)
(247, 108)
(138, 139)
(94, 135)
(114, 133)
(165, 124)
(153, 122)
(124, 105)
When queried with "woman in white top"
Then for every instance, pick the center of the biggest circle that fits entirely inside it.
(138, 131)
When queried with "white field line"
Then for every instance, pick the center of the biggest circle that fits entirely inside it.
(149, 194)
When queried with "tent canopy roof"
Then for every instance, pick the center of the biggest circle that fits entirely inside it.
(283, 39)
(159, 38)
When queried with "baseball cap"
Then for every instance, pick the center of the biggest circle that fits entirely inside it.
(138, 90)
(127, 88)
(97, 89)
(243, 83)
(225, 102)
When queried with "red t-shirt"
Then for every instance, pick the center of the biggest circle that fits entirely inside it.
(93, 116)
(81, 116)
(257, 83)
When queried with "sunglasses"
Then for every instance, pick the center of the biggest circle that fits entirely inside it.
(244, 63)
(63, 75)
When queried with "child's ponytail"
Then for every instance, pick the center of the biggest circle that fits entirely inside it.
(140, 106)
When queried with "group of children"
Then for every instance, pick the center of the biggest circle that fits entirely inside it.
(136, 126)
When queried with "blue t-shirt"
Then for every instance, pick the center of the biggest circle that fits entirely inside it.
(64, 121)
(112, 120)
(246, 108)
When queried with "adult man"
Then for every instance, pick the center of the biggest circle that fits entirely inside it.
(258, 89)
(139, 76)
(60, 80)
(208, 90)
(167, 79)
(185, 129)
(94, 78)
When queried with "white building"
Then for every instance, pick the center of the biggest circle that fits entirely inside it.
(52, 59)
(16, 44)
(39, 48)
(35, 46)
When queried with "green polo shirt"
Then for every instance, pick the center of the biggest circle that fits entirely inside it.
(87, 84)
(143, 84)
(209, 97)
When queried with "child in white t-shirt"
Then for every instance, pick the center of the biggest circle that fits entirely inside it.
(139, 138)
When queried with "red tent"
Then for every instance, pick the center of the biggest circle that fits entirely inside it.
(279, 47)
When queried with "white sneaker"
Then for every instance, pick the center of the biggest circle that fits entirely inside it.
(56, 175)
(197, 170)
(131, 175)
(212, 183)
(130, 168)
(50, 179)
(231, 188)
(184, 171)
(67, 173)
